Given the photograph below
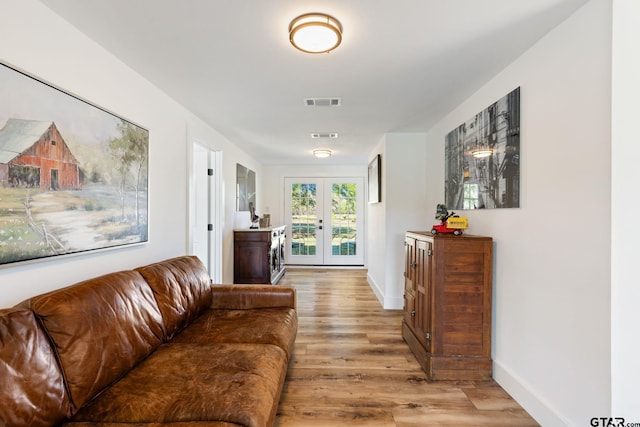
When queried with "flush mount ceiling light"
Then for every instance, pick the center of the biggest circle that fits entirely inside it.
(315, 33)
(322, 153)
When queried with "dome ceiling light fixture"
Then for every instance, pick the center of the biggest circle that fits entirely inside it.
(315, 33)
(322, 153)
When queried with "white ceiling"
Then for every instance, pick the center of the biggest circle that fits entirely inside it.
(402, 64)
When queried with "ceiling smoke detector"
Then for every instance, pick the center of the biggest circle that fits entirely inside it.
(323, 102)
(332, 135)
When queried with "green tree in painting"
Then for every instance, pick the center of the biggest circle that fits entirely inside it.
(129, 150)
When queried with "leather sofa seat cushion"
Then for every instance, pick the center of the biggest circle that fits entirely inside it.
(100, 328)
(182, 288)
(32, 391)
(233, 383)
(275, 326)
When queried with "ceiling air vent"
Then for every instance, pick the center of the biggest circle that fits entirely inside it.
(323, 102)
(332, 135)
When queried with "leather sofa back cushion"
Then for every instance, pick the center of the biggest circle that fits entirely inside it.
(101, 328)
(182, 288)
(32, 391)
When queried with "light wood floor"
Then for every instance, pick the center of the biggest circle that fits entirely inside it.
(351, 367)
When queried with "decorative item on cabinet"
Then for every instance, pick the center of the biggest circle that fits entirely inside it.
(265, 221)
(450, 222)
(258, 255)
(447, 304)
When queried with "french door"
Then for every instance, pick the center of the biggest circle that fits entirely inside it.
(325, 221)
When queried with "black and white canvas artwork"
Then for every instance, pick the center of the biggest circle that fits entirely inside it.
(482, 158)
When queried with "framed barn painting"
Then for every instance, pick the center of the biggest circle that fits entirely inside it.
(482, 158)
(73, 177)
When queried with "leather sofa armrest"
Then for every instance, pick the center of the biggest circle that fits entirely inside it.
(244, 297)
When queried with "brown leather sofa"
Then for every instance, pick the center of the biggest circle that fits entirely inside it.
(158, 345)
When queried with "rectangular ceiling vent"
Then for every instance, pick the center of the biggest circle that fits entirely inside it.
(332, 135)
(323, 102)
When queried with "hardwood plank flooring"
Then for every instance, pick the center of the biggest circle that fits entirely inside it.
(351, 367)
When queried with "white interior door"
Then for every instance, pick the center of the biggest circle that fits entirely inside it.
(205, 209)
(200, 216)
(325, 221)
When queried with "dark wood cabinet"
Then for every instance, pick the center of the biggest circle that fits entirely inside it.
(447, 304)
(258, 255)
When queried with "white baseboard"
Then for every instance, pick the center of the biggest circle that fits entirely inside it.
(393, 303)
(533, 403)
(386, 302)
(376, 289)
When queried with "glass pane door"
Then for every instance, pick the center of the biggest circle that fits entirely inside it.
(344, 205)
(324, 216)
(303, 208)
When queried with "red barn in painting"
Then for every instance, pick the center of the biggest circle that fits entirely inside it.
(34, 154)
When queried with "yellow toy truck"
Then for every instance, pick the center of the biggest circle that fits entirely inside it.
(449, 222)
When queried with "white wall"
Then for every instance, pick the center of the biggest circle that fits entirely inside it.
(552, 266)
(37, 41)
(377, 264)
(403, 207)
(625, 292)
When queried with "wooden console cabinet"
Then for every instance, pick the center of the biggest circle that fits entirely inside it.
(447, 304)
(258, 255)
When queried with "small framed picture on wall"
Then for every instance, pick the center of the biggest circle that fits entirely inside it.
(374, 180)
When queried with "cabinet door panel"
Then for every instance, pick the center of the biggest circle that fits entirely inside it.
(409, 265)
(409, 312)
(251, 263)
(422, 284)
